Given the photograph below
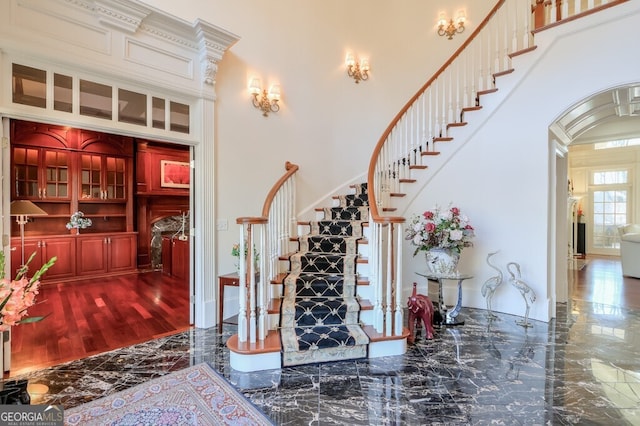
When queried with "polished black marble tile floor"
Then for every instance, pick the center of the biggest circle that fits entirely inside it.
(581, 368)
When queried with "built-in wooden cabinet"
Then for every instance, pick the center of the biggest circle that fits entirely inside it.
(62, 247)
(77, 255)
(175, 258)
(100, 254)
(65, 170)
(40, 174)
(102, 178)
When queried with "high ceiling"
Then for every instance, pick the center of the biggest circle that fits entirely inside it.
(613, 114)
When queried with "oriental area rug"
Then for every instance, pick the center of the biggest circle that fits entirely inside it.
(194, 396)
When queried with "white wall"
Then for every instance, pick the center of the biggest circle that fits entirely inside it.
(501, 177)
(328, 124)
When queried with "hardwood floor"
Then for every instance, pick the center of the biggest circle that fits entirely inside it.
(98, 315)
(601, 281)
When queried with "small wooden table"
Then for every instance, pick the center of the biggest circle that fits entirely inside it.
(448, 316)
(232, 280)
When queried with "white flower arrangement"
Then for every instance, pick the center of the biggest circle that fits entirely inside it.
(78, 221)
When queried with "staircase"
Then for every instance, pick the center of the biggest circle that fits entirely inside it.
(320, 315)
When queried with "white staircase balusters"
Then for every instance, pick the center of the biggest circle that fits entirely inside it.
(457, 85)
(274, 229)
(242, 290)
(398, 323)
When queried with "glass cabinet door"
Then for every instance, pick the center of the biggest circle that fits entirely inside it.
(25, 167)
(91, 177)
(115, 181)
(40, 174)
(56, 174)
(103, 178)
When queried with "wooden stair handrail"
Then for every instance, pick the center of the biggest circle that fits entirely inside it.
(291, 169)
(373, 207)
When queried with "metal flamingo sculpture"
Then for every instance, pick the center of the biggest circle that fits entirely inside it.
(524, 290)
(489, 287)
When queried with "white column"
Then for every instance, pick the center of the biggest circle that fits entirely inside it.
(203, 234)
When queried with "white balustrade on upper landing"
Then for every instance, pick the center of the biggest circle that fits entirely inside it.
(429, 115)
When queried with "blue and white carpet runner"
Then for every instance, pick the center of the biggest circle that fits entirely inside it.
(319, 317)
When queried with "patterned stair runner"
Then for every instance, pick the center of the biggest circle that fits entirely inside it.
(319, 315)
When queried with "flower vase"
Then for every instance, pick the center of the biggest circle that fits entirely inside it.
(442, 261)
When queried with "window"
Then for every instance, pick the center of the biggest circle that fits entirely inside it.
(179, 121)
(610, 177)
(158, 113)
(97, 100)
(617, 143)
(132, 107)
(62, 93)
(29, 86)
(609, 195)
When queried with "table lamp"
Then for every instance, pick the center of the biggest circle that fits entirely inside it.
(22, 209)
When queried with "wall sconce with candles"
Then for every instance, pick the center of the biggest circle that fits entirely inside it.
(451, 28)
(357, 70)
(263, 100)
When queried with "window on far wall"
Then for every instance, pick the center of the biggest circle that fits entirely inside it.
(617, 143)
(609, 194)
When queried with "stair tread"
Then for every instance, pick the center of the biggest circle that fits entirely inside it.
(522, 51)
(472, 108)
(505, 72)
(374, 336)
(270, 344)
(486, 92)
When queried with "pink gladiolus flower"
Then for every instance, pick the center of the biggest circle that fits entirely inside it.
(18, 295)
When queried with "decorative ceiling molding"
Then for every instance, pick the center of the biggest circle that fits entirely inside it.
(618, 107)
(121, 14)
(212, 41)
(208, 42)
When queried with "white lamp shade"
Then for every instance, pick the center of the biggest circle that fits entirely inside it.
(274, 92)
(255, 86)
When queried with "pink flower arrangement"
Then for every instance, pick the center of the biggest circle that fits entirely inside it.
(19, 294)
(446, 229)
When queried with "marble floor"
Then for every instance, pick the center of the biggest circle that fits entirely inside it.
(583, 368)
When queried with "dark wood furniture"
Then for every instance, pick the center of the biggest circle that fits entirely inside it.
(154, 201)
(232, 280)
(114, 180)
(175, 258)
(64, 170)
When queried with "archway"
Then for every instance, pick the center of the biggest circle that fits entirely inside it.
(610, 115)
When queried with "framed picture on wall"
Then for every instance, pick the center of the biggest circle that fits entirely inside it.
(174, 174)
